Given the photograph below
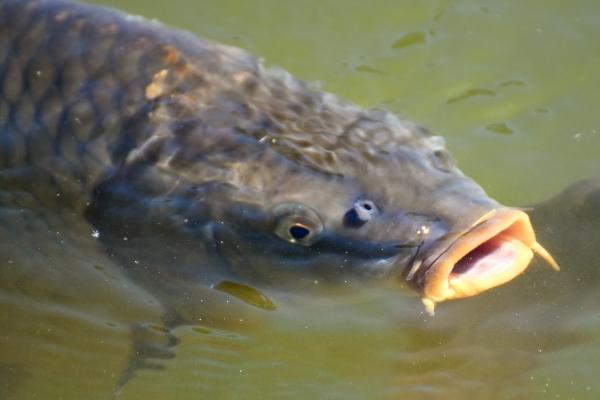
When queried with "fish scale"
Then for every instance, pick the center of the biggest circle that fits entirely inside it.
(69, 80)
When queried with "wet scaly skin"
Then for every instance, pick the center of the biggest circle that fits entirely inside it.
(236, 170)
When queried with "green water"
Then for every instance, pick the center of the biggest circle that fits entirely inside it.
(512, 85)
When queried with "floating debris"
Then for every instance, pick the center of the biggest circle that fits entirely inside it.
(246, 293)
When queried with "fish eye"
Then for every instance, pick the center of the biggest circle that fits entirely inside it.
(296, 223)
(299, 231)
(361, 212)
(442, 160)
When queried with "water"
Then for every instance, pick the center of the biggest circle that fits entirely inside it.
(511, 85)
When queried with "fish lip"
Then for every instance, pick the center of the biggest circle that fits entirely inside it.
(504, 229)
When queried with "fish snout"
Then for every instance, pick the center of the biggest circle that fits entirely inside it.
(496, 248)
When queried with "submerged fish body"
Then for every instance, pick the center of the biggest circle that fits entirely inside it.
(231, 169)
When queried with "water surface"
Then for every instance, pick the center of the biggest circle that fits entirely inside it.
(512, 85)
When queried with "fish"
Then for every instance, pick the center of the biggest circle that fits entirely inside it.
(569, 222)
(244, 174)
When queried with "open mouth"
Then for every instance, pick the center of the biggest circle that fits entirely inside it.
(497, 248)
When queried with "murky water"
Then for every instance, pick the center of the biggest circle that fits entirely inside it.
(513, 87)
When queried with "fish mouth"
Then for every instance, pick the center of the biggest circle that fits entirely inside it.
(495, 249)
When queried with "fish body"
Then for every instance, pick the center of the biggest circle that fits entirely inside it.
(236, 170)
(569, 222)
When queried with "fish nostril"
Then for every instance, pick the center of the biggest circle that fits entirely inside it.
(361, 213)
(365, 209)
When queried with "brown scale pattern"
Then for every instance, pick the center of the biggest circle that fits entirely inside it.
(67, 77)
(84, 86)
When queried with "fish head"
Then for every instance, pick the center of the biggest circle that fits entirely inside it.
(383, 200)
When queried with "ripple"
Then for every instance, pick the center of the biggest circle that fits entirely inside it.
(512, 83)
(500, 128)
(369, 69)
(467, 94)
(408, 40)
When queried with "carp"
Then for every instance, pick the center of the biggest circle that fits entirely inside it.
(235, 169)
